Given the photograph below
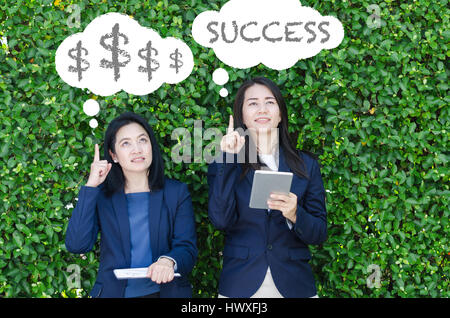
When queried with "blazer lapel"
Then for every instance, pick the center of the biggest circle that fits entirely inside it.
(297, 184)
(282, 165)
(249, 176)
(121, 211)
(154, 219)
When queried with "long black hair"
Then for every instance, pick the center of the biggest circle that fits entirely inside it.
(292, 158)
(115, 180)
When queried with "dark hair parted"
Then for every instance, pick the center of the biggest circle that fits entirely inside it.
(292, 158)
(115, 180)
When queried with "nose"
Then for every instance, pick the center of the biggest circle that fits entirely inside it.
(263, 109)
(137, 148)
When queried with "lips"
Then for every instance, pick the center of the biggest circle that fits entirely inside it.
(262, 120)
(138, 159)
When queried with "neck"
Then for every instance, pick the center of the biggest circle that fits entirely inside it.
(136, 182)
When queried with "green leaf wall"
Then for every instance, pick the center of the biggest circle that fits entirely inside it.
(375, 110)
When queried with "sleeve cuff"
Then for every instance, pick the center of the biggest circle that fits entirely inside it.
(289, 224)
(175, 267)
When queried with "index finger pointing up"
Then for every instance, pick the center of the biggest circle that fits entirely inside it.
(230, 125)
(96, 153)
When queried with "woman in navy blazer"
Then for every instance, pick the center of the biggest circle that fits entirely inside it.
(266, 251)
(144, 219)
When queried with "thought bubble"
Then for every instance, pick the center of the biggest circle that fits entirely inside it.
(91, 108)
(276, 33)
(115, 53)
(221, 77)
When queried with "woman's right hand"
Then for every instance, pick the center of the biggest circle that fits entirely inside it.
(99, 170)
(232, 142)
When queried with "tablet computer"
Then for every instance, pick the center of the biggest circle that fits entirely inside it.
(264, 183)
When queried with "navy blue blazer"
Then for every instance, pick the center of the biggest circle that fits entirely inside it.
(172, 233)
(256, 239)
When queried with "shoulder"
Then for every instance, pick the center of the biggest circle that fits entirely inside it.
(175, 193)
(307, 155)
(174, 186)
(103, 192)
(310, 160)
(223, 159)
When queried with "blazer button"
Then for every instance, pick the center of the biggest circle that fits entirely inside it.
(269, 247)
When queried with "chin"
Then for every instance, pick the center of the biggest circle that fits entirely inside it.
(142, 169)
(264, 127)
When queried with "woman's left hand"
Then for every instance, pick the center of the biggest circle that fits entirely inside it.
(161, 271)
(287, 204)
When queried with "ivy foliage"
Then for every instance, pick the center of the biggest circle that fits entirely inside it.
(375, 110)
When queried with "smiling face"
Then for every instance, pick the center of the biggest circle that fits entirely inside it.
(260, 109)
(133, 149)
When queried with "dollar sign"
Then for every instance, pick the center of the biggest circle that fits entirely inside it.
(148, 59)
(78, 69)
(114, 48)
(177, 62)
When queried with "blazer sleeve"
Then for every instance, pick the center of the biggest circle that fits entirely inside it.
(83, 226)
(222, 181)
(311, 221)
(184, 239)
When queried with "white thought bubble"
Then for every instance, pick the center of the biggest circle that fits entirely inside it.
(220, 76)
(116, 53)
(276, 33)
(91, 107)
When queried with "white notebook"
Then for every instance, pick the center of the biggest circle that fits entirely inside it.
(130, 273)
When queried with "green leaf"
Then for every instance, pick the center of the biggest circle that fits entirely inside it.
(308, 80)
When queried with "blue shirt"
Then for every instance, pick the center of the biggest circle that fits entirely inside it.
(139, 205)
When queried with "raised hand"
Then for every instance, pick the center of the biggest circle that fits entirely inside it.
(99, 170)
(232, 142)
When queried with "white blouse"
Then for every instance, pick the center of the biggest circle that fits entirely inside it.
(268, 289)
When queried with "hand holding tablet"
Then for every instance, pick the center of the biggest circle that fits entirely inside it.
(266, 182)
(271, 190)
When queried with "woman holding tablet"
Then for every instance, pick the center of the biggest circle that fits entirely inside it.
(145, 219)
(266, 251)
